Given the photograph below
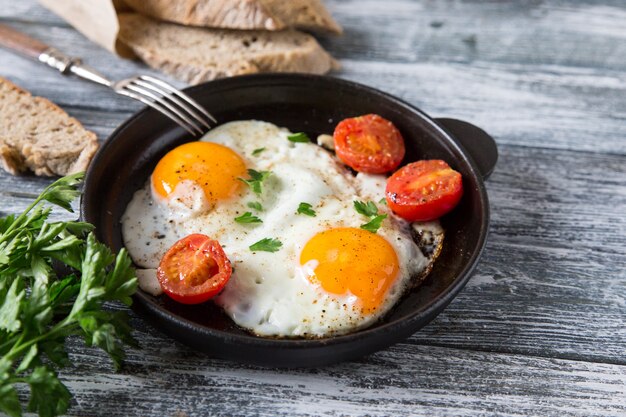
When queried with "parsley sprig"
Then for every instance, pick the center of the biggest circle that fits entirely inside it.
(299, 137)
(248, 217)
(256, 180)
(306, 209)
(370, 210)
(255, 205)
(39, 309)
(266, 245)
(374, 224)
(258, 151)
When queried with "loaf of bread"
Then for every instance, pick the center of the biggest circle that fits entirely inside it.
(241, 14)
(37, 135)
(195, 54)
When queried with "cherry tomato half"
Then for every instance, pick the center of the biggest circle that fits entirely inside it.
(369, 144)
(424, 190)
(194, 269)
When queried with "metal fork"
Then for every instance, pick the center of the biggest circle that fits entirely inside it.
(151, 91)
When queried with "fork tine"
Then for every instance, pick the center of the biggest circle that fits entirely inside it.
(158, 108)
(170, 96)
(158, 99)
(179, 94)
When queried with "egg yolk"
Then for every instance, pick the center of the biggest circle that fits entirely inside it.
(354, 260)
(213, 167)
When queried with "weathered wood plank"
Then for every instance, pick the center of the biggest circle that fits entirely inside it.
(404, 380)
(539, 301)
(552, 281)
(24, 12)
(576, 33)
(581, 34)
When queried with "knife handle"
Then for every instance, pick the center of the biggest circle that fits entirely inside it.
(21, 43)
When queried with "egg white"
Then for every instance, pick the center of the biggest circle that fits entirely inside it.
(269, 293)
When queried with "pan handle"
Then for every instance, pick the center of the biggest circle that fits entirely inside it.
(481, 147)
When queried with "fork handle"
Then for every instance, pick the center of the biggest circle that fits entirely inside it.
(32, 48)
(20, 42)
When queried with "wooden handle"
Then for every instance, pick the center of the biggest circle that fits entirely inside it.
(21, 43)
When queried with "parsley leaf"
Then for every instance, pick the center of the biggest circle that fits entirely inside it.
(248, 217)
(299, 137)
(39, 310)
(257, 151)
(266, 245)
(382, 201)
(374, 224)
(306, 209)
(368, 209)
(44, 385)
(255, 205)
(63, 191)
(256, 180)
(9, 401)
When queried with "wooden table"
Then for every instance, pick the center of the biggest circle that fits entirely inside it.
(541, 327)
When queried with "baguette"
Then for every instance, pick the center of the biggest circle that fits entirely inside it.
(195, 54)
(241, 14)
(37, 135)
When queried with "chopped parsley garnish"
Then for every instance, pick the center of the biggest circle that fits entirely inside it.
(374, 224)
(257, 151)
(266, 245)
(248, 217)
(256, 180)
(382, 201)
(299, 137)
(255, 205)
(370, 210)
(306, 209)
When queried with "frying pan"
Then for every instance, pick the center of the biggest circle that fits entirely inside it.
(312, 104)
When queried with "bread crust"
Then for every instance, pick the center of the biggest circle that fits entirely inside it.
(241, 14)
(36, 135)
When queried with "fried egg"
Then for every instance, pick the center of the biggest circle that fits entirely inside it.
(329, 277)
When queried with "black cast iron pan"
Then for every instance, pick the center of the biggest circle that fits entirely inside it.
(313, 104)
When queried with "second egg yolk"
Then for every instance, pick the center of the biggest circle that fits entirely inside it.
(213, 167)
(354, 260)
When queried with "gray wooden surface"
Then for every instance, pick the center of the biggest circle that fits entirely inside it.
(541, 327)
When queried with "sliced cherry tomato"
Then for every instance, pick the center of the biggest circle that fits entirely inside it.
(424, 190)
(194, 269)
(369, 144)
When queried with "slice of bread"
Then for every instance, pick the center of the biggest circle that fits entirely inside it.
(198, 54)
(242, 14)
(37, 135)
